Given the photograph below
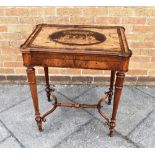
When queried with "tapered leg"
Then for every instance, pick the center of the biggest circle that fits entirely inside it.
(118, 89)
(110, 92)
(33, 87)
(47, 83)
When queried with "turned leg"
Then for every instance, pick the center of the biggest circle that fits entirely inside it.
(110, 92)
(47, 83)
(118, 89)
(33, 87)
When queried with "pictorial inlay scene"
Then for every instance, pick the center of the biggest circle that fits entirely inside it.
(77, 37)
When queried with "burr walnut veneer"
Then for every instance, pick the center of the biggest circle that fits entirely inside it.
(77, 46)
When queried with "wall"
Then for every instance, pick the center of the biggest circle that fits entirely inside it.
(16, 23)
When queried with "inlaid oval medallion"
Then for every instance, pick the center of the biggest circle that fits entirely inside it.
(77, 37)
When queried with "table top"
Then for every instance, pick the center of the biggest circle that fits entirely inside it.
(105, 40)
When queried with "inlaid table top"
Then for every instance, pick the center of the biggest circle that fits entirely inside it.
(109, 40)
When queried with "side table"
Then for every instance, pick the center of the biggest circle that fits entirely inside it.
(77, 46)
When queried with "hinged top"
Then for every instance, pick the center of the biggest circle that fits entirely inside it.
(88, 39)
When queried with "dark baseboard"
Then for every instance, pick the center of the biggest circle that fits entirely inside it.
(144, 81)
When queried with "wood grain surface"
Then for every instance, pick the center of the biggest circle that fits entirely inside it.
(103, 39)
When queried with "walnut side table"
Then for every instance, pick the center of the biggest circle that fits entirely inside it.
(77, 46)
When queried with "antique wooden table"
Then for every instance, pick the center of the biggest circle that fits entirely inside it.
(77, 46)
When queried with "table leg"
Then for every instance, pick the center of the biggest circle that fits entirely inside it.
(47, 83)
(33, 87)
(118, 89)
(112, 79)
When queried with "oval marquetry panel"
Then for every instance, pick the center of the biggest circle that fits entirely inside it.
(77, 37)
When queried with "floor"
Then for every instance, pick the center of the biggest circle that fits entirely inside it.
(72, 127)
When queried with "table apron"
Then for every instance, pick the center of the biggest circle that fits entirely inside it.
(102, 63)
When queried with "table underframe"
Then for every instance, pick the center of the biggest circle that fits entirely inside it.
(50, 96)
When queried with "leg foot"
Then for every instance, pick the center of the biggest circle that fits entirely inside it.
(111, 128)
(111, 133)
(39, 123)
